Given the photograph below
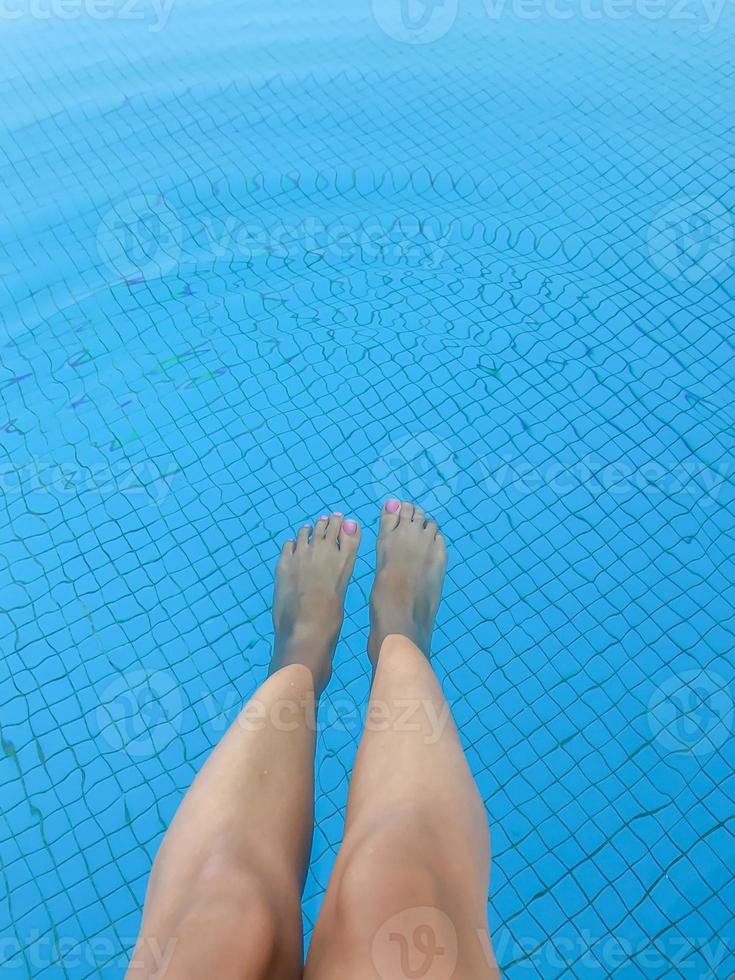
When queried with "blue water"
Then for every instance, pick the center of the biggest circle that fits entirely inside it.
(260, 260)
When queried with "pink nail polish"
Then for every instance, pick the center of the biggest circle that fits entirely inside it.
(338, 513)
(324, 517)
(349, 526)
(392, 506)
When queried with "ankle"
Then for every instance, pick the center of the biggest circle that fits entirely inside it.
(398, 621)
(309, 645)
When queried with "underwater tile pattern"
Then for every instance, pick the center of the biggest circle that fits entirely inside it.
(268, 260)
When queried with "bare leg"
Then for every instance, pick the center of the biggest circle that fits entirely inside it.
(224, 894)
(408, 896)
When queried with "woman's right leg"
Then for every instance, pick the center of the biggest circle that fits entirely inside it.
(408, 896)
(224, 894)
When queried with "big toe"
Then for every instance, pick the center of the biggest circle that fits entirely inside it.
(389, 515)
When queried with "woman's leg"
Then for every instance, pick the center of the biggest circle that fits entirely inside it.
(224, 894)
(408, 896)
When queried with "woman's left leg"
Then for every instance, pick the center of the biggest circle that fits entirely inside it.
(408, 895)
(224, 894)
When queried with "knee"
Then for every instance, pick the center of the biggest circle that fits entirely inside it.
(380, 874)
(226, 900)
(222, 916)
(384, 905)
(242, 886)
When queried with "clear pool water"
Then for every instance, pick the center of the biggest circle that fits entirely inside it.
(259, 260)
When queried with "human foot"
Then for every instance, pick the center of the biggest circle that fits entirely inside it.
(308, 606)
(412, 561)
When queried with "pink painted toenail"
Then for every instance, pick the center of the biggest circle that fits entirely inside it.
(338, 513)
(349, 526)
(392, 506)
(324, 517)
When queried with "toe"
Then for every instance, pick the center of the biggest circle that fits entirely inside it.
(418, 515)
(349, 535)
(303, 536)
(321, 527)
(440, 547)
(405, 514)
(288, 548)
(389, 515)
(333, 528)
(432, 527)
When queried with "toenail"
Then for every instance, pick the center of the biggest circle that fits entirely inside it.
(338, 513)
(324, 517)
(349, 526)
(392, 506)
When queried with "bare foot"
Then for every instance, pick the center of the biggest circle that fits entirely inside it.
(412, 562)
(308, 607)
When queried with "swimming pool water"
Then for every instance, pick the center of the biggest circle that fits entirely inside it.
(270, 259)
